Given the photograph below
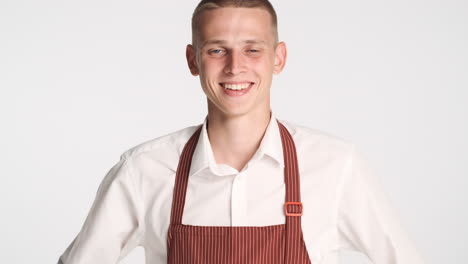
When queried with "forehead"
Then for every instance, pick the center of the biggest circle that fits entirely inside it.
(232, 24)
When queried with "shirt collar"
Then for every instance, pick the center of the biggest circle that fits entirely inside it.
(270, 145)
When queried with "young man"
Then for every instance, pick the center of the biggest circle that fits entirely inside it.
(244, 187)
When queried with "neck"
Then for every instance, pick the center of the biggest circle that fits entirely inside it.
(235, 139)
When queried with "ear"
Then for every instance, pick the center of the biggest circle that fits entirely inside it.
(281, 55)
(190, 54)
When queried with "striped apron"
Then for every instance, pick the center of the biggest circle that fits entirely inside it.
(284, 243)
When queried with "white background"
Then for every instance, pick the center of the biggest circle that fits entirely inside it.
(83, 81)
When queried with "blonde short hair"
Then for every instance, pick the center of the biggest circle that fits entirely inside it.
(215, 4)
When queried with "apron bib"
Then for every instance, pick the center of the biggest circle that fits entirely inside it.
(187, 244)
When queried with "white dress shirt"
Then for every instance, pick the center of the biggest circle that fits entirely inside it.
(345, 206)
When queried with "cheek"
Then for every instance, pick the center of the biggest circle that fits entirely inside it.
(262, 64)
(210, 67)
(263, 68)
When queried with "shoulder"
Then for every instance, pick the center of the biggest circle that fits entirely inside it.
(319, 142)
(165, 145)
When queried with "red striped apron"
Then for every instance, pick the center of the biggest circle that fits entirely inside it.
(187, 244)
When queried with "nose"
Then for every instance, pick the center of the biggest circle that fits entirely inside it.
(235, 63)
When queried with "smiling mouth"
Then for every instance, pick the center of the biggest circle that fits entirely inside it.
(236, 86)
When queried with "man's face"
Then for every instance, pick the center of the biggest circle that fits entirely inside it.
(236, 56)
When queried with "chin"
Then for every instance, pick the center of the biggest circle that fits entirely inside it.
(238, 111)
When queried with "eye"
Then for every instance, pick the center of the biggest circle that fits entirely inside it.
(215, 51)
(253, 52)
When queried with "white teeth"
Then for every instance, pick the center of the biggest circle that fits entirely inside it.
(236, 86)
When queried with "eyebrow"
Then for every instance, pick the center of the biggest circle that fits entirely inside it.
(219, 41)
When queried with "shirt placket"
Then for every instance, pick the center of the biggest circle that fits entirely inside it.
(239, 200)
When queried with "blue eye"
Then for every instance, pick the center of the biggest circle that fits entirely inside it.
(215, 51)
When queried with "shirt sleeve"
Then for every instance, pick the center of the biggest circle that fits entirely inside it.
(366, 220)
(114, 223)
